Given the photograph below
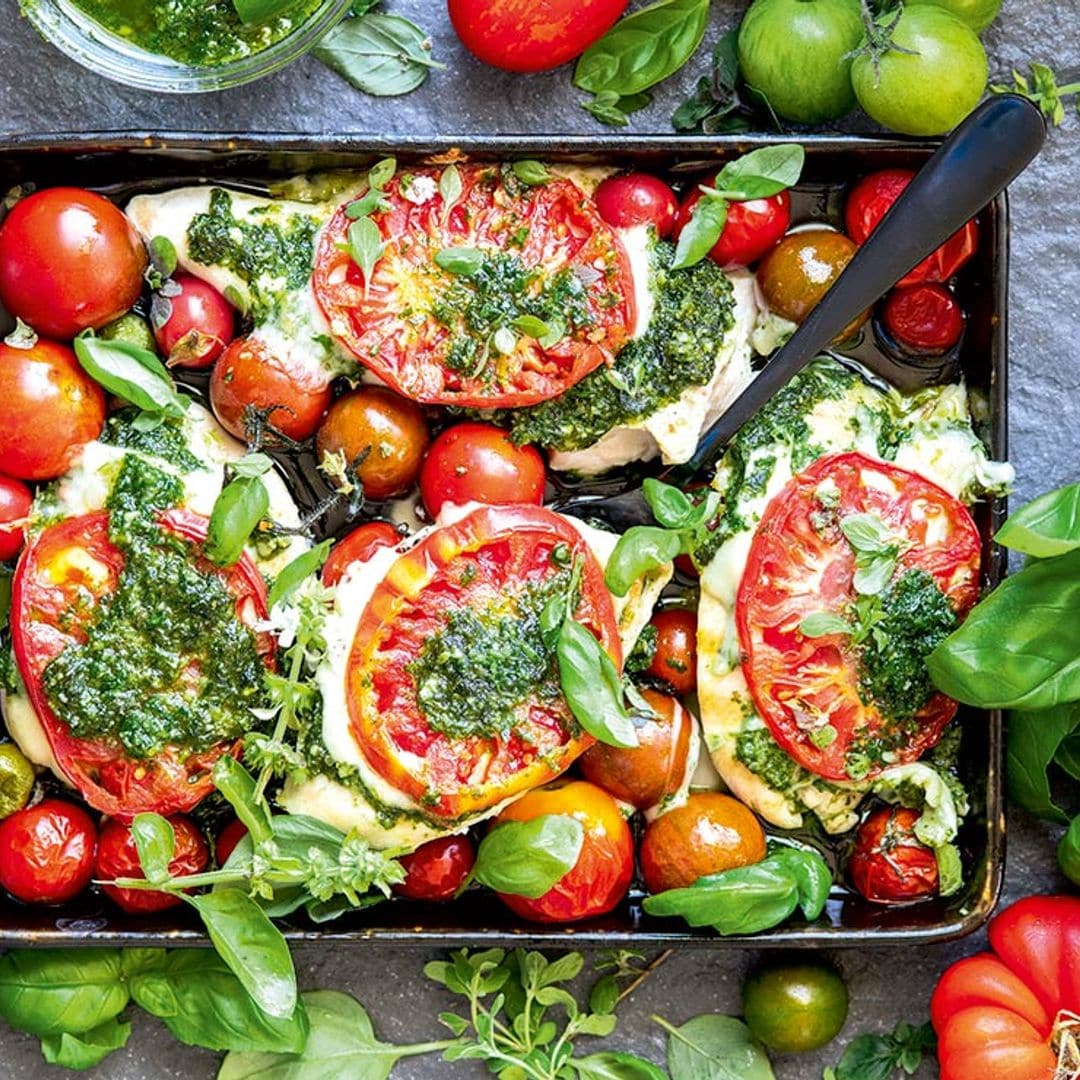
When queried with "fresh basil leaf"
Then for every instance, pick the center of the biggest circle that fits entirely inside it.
(1020, 647)
(135, 961)
(450, 187)
(382, 55)
(238, 787)
(162, 254)
(713, 1047)
(203, 1004)
(373, 199)
(365, 246)
(614, 1065)
(592, 687)
(824, 623)
(47, 992)
(531, 326)
(530, 172)
(1032, 741)
(868, 534)
(155, 842)
(640, 550)
(252, 946)
(527, 858)
(716, 96)
(873, 573)
(238, 509)
(671, 507)
(464, 261)
(762, 173)
(1068, 756)
(256, 11)
(1068, 851)
(131, 373)
(811, 874)
(381, 173)
(295, 573)
(877, 1057)
(1047, 526)
(950, 869)
(88, 1049)
(701, 232)
(251, 465)
(614, 109)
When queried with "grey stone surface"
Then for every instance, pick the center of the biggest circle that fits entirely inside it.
(42, 91)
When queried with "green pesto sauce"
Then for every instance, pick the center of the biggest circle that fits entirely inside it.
(199, 33)
(762, 755)
(473, 675)
(254, 250)
(134, 680)
(166, 441)
(693, 314)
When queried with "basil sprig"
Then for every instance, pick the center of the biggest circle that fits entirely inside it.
(131, 373)
(242, 503)
(379, 175)
(295, 573)
(527, 858)
(757, 175)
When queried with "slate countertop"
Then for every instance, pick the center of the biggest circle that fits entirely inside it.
(41, 91)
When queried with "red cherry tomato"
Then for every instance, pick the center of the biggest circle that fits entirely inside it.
(474, 462)
(69, 259)
(601, 876)
(752, 228)
(358, 546)
(436, 870)
(49, 410)
(47, 852)
(15, 500)
(675, 659)
(872, 198)
(199, 326)
(249, 374)
(118, 857)
(923, 318)
(889, 864)
(227, 840)
(522, 35)
(638, 199)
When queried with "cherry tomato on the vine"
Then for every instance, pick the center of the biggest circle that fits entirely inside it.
(47, 852)
(638, 199)
(675, 659)
(358, 546)
(923, 318)
(752, 228)
(199, 327)
(889, 864)
(436, 870)
(15, 500)
(227, 840)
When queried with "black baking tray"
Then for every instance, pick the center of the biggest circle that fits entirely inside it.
(122, 164)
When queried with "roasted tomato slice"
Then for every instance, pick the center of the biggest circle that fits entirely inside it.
(508, 296)
(61, 578)
(453, 697)
(820, 690)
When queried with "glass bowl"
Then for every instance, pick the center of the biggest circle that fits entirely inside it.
(87, 42)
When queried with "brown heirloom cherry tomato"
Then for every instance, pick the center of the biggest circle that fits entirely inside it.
(249, 374)
(49, 410)
(752, 228)
(47, 852)
(889, 864)
(638, 199)
(358, 546)
(15, 500)
(387, 429)
(227, 840)
(199, 326)
(69, 260)
(118, 857)
(675, 659)
(436, 870)
(656, 767)
(710, 832)
(601, 876)
(474, 462)
(923, 318)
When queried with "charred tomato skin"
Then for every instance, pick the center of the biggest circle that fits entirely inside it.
(889, 864)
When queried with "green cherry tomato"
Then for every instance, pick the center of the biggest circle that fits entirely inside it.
(795, 1007)
(931, 87)
(797, 53)
(978, 14)
(16, 779)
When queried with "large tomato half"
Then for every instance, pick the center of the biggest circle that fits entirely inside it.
(800, 566)
(481, 563)
(61, 578)
(456, 337)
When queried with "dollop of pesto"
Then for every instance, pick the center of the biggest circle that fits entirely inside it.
(165, 440)
(693, 314)
(762, 755)
(166, 661)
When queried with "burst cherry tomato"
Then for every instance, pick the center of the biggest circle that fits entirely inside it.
(436, 870)
(710, 832)
(227, 840)
(69, 259)
(49, 410)
(871, 199)
(47, 852)
(118, 857)
(15, 500)
(478, 463)
(293, 397)
(752, 228)
(358, 546)
(199, 326)
(923, 319)
(601, 876)
(889, 864)
(521, 35)
(387, 429)
(654, 769)
(638, 199)
(675, 659)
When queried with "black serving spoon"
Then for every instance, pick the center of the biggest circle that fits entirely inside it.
(970, 168)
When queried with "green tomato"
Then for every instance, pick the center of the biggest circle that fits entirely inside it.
(978, 14)
(132, 329)
(796, 53)
(930, 88)
(1068, 852)
(795, 1007)
(16, 779)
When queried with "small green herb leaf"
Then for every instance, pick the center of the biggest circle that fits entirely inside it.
(295, 573)
(641, 550)
(592, 687)
(614, 109)
(365, 246)
(242, 504)
(878, 1057)
(155, 843)
(614, 1065)
(88, 1049)
(701, 232)
(1042, 89)
(162, 254)
(1047, 526)
(527, 858)
(237, 786)
(530, 172)
(531, 326)
(251, 465)
(824, 623)
(712, 1047)
(762, 173)
(450, 187)
(464, 261)
(131, 373)
(381, 173)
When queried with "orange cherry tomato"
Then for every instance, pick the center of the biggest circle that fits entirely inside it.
(358, 546)
(710, 832)
(47, 852)
(675, 659)
(436, 870)
(601, 876)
